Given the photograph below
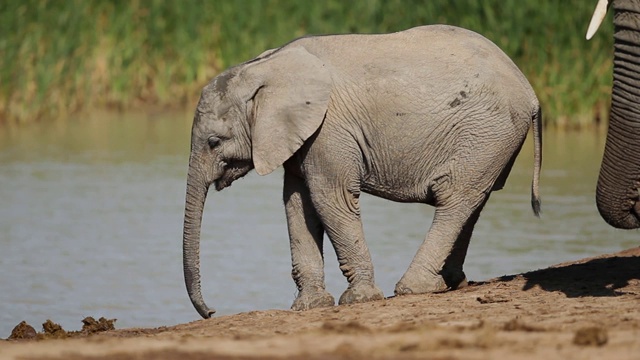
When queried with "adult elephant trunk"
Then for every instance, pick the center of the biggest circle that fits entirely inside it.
(197, 188)
(617, 192)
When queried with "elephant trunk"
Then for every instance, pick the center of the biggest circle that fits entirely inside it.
(197, 189)
(617, 192)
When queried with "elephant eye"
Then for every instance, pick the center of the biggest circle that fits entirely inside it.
(213, 141)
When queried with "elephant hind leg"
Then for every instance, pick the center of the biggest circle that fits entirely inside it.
(452, 272)
(437, 266)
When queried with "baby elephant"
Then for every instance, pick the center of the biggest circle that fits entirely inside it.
(434, 114)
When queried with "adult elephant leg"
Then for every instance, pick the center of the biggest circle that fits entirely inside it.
(437, 266)
(617, 191)
(305, 237)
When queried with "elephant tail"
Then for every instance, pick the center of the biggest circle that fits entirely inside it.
(537, 158)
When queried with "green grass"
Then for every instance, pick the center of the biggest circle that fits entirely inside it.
(58, 57)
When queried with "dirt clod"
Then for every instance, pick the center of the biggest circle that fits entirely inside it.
(591, 336)
(91, 326)
(517, 325)
(51, 330)
(351, 327)
(23, 331)
(491, 299)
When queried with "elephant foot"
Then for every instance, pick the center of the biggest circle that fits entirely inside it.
(307, 300)
(416, 284)
(361, 293)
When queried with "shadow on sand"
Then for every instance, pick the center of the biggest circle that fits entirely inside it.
(592, 277)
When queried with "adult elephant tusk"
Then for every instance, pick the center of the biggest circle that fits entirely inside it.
(598, 15)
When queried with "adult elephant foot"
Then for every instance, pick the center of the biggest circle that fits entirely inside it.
(307, 300)
(361, 293)
(412, 283)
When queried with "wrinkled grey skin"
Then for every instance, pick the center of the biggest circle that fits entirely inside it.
(434, 114)
(617, 191)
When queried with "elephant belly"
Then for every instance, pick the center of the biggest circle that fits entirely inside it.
(407, 193)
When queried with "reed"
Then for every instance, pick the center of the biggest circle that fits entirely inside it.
(58, 57)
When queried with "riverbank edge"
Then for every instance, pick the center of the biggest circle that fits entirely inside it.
(587, 307)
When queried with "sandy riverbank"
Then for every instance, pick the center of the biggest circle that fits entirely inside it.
(588, 309)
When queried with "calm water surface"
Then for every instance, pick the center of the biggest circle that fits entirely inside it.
(91, 225)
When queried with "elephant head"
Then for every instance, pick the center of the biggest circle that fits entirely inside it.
(254, 115)
(617, 191)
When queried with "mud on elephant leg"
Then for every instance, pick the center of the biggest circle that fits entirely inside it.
(446, 245)
(355, 262)
(311, 299)
(359, 293)
(305, 236)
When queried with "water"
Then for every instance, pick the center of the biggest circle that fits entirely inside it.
(91, 225)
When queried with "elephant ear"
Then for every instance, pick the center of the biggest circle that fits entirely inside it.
(289, 104)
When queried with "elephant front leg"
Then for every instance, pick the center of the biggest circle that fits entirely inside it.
(305, 237)
(339, 211)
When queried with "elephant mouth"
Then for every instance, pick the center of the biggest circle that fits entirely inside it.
(233, 170)
(635, 209)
